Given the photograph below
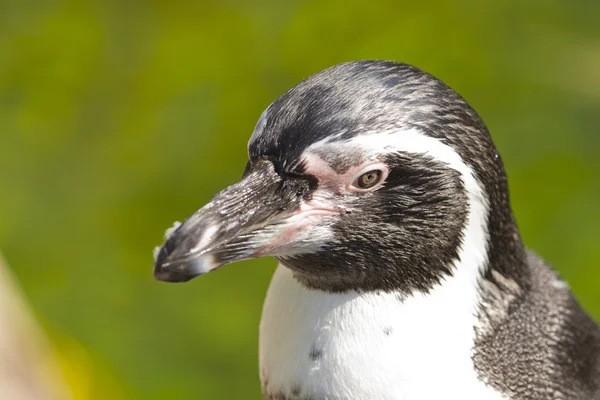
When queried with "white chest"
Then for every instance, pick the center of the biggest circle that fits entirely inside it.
(371, 345)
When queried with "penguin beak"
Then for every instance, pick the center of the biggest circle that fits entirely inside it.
(246, 220)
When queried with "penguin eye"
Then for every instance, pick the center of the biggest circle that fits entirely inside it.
(368, 179)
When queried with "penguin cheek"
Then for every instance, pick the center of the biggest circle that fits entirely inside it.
(304, 233)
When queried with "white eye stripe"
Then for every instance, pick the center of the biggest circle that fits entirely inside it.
(406, 141)
(472, 258)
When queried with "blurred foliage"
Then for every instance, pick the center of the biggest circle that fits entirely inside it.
(118, 117)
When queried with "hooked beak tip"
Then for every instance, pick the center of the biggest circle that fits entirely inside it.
(184, 270)
(168, 276)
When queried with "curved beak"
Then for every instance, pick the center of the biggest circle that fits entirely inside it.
(241, 222)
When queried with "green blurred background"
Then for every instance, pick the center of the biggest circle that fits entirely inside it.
(119, 117)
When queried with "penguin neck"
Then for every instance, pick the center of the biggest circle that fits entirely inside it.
(507, 255)
(374, 344)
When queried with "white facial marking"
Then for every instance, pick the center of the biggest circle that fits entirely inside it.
(155, 252)
(172, 229)
(473, 254)
(426, 352)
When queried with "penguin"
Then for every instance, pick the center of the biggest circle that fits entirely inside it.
(402, 273)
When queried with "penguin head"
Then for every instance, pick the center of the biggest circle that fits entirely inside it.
(370, 175)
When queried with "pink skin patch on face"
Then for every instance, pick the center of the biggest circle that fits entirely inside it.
(300, 229)
(335, 183)
(304, 228)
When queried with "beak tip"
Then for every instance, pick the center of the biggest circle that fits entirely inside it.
(163, 275)
(184, 271)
